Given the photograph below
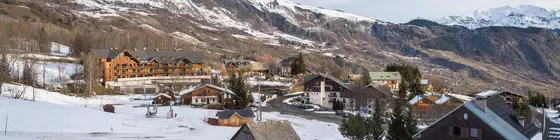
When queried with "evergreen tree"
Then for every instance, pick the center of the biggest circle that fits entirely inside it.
(5, 69)
(354, 127)
(216, 81)
(366, 79)
(375, 123)
(28, 77)
(397, 129)
(43, 41)
(411, 123)
(237, 86)
(298, 66)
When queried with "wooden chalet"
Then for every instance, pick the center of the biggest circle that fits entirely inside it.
(235, 117)
(206, 94)
(488, 117)
(164, 98)
(421, 104)
(270, 130)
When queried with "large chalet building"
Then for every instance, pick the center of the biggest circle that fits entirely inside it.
(323, 89)
(151, 71)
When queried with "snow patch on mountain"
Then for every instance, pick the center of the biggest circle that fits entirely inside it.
(520, 16)
(288, 8)
(150, 28)
(187, 38)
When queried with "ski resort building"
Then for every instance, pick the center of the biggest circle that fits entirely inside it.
(323, 89)
(150, 71)
(206, 94)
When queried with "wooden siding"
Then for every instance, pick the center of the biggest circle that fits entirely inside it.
(186, 99)
(126, 66)
(423, 105)
(235, 120)
(445, 128)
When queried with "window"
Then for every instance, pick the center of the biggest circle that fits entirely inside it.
(474, 132)
(457, 131)
(465, 116)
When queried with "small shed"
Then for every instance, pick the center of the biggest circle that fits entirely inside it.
(270, 130)
(235, 117)
(165, 97)
(109, 108)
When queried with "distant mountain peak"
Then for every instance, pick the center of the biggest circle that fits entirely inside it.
(519, 16)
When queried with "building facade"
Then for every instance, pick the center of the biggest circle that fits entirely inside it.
(150, 71)
(323, 90)
(246, 67)
(206, 94)
(487, 117)
(389, 79)
(235, 117)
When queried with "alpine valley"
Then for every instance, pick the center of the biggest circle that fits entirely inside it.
(481, 53)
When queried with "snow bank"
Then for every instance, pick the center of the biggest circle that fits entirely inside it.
(55, 73)
(59, 118)
(59, 49)
(60, 99)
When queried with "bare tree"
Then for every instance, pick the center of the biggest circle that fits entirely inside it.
(92, 72)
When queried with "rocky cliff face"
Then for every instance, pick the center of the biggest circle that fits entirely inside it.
(513, 58)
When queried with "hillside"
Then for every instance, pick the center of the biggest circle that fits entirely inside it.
(334, 41)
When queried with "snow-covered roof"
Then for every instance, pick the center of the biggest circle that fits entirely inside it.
(415, 99)
(189, 90)
(163, 94)
(486, 94)
(442, 99)
(461, 97)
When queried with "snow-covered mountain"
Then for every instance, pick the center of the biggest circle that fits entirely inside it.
(520, 16)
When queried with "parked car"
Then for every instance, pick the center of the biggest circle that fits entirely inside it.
(309, 108)
(282, 111)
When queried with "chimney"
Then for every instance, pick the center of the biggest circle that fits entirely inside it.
(481, 103)
(521, 121)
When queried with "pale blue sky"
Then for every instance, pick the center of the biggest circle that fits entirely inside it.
(399, 11)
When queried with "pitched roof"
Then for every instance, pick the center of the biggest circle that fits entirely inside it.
(433, 98)
(241, 112)
(379, 89)
(311, 77)
(106, 53)
(271, 130)
(240, 63)
(164, 56)
(385, 75)
(497, 116)
(286, 62)
(507, 113)
(189, 90)
(163, 95)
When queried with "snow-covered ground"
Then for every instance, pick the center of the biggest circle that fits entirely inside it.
(55, 73)
(56, 116)
(252, 81)
(59, 49)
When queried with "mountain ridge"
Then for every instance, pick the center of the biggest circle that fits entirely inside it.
(519, 16)
(333, 41)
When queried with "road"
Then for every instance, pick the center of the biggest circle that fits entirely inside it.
(275, 105)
